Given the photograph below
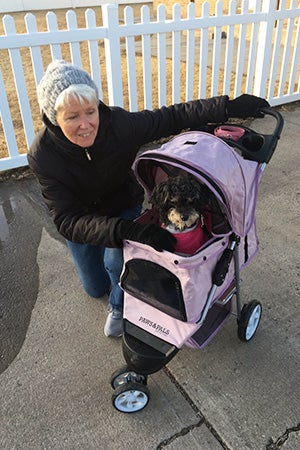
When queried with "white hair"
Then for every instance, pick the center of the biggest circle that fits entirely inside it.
(81, 92)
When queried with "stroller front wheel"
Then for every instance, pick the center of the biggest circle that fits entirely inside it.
(131, 397)
(126, 375)
(249, 320)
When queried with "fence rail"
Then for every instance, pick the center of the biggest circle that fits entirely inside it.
(145, 62)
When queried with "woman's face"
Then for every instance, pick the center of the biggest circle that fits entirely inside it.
(79, 123)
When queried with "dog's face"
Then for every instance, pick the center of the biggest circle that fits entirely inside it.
(179, 201)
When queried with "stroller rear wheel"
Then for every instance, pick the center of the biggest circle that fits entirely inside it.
(131, 397)
(125, 375)
(249, 320)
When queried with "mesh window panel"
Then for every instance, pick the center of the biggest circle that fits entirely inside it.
(155, 285)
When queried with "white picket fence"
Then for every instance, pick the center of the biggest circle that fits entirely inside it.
(259, 55)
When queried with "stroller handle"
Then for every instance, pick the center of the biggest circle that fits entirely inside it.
(257, 146)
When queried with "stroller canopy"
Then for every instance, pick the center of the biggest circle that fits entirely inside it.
(233, 179)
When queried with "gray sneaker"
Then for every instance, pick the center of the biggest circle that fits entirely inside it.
(114, 323)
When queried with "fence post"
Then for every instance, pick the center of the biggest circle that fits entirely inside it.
(19, 79)
(264, 49)
(7, 122)
(112, 54)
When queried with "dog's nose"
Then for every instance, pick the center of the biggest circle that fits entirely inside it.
(184, 217)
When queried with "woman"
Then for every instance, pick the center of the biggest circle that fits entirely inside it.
(82, 159)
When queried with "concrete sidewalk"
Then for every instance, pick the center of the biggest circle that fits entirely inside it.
(56, 363)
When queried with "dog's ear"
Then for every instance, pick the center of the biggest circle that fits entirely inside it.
(158, 199)
(153, 199)
(159, 195)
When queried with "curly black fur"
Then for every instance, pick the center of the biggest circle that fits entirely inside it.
(182, 196)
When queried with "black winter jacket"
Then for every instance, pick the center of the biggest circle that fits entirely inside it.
(86, 189)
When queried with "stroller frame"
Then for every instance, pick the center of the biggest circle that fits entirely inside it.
(146, 344)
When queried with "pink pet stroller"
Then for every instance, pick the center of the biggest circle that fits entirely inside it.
(172, 300)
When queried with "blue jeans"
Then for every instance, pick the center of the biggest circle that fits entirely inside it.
(99, 268)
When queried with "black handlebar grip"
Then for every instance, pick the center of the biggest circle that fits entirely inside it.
(256, 146)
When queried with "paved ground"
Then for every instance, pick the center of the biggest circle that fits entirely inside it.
(56, 363)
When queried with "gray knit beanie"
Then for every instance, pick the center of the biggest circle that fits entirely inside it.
(58, 77)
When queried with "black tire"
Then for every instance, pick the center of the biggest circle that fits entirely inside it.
(125, 375)
(249, 320)
(131, 397)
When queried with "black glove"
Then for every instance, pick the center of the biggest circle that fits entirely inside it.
(246, 106)
(152, 235)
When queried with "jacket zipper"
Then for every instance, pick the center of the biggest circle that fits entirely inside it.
(87, 154)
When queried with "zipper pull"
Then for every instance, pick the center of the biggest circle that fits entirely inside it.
(87, 154)
(202, 220)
